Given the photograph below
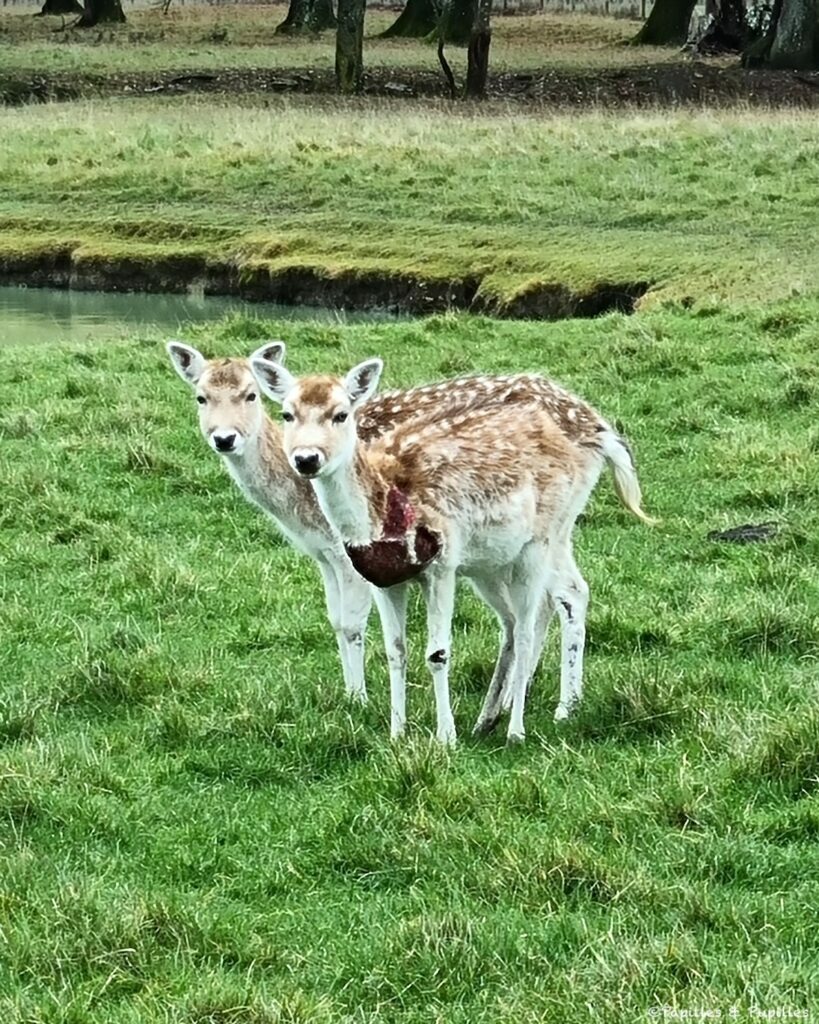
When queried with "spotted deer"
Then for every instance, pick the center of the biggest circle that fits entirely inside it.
(490, 490)
(236, 427)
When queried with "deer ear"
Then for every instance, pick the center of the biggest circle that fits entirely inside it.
(361, 382)
(187, 361)
(271, 351)
(273, 379)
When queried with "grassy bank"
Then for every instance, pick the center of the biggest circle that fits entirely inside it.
(702, 207)
(195, 828)
(244, 36)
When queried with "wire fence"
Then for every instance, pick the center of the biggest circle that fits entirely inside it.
(612, 8)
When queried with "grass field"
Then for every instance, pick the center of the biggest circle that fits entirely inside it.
(194, 826)
(704, 207)
(244, 36)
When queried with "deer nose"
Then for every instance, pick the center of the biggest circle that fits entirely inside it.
(224, 442)
(307, 465)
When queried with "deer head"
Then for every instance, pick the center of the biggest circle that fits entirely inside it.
(318, 412)
(230, 413)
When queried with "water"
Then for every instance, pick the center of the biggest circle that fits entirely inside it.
(30, 315)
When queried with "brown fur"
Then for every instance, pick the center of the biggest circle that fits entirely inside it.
(436, 403)
(227, 373)
(318, 391)
(497, 470)
(480, 450)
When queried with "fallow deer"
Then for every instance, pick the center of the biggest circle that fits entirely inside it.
(491, 491)
(236, 427)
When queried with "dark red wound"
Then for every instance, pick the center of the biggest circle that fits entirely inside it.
(387, 562)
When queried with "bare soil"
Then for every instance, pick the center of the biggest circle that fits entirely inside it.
(689, 83)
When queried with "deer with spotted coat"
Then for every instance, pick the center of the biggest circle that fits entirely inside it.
(491, 491)
(237, 428)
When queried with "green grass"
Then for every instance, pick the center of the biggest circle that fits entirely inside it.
(705, 207)
(196, 828)
(244, 36)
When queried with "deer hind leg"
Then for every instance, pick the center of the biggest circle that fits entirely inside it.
(570, 594)
(544, 617)
(392, 610)
(439, 592)
(348, 607)
(499, 696)
(497, 597)
(540, 630)
(539, 634)
(527, 594)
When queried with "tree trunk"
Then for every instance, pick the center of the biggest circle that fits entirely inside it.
(726, 29)
(447, 70)
(667, 25)
(60, 7)
(417, 20)
(794, 45)
(321, 16)
(757, 50)
(294, 19)
(477, 68)
(98, 12)
(456, 21)
(350, 45)
(307, 15)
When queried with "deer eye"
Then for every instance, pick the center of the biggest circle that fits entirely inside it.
(251, 397)
(287, 417)
(340, 417)
(201, 399)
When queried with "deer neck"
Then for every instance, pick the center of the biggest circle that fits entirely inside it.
(345, 499)
(262, 471)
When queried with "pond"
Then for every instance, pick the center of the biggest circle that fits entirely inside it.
(30, 315)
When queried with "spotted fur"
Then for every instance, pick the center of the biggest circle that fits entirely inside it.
(260, 469)
(501, 482)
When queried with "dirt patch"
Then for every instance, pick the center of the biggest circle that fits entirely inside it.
(694, 83)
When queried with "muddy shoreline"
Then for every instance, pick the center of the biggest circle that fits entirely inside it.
(353, 290)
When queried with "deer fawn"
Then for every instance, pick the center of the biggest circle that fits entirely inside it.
(236, 427)
(490, 490)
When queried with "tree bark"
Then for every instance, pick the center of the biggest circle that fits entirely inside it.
(60, 7)
(726, 29)
(794, 45)
(349, 46)
(99, 12)
(307, 16)
(757, 50)
(477, 68)
(417, 20)
(456, 21)
(294, 19)
(445, 67)
(321, 16)
(667, 25)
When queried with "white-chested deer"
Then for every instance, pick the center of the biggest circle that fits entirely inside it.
(235, 425)
(491, 491)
